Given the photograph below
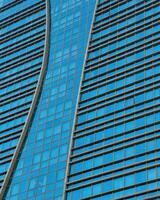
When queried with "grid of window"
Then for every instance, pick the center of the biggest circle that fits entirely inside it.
(115, 151)
(21, 51)
(41, 168)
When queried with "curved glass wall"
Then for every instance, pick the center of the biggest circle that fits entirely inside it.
(115, 151)
(21, 52)
(40, 172)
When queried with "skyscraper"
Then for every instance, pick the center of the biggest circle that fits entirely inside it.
(115, 144)
(105, 53)
(23, 47)
(43, 45)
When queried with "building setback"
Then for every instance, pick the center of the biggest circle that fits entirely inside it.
(79, 96)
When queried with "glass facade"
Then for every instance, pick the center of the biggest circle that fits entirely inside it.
(115, 145)
(21, 53)
(107, 146)
(41, 167)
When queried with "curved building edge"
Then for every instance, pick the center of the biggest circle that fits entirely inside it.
(33, 105)
(77, 103)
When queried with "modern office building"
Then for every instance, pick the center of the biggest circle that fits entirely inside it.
(43, 45)
(80, 99)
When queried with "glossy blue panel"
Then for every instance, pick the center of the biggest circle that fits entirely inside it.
(21, 54)
(41, 169)
(115, 152)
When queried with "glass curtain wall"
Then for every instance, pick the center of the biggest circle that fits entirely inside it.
(115, 151)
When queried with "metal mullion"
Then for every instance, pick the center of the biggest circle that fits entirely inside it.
(104, 128)
(149, 5)
(17, 98)
(115, 170)
(116, 136)
(24, 60)
(118, 76)
(126, 92)
(119, 161)
(97, 153)
(109, 121)
(111, 5)
(141, 193)
(115, 112)
(21, 78)
(116, 176)
(24, 56)
(126, 197)
(15, 115)
(36, 66)
(114, 58)
(22, 46)
(5, 7)
(121, 67)
(98, 65)
(26, 14)
(123, 36)
(13, 34)
(129, 32)
(118, 13)
(130, 26)
(129, 52)
(19, 94)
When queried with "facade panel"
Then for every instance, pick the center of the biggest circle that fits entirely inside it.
(40, 172)
(115, 145)
(107, 146)
(21, 53)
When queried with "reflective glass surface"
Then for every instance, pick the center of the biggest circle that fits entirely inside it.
(40, 172)
(115, 151)
(21, 53)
